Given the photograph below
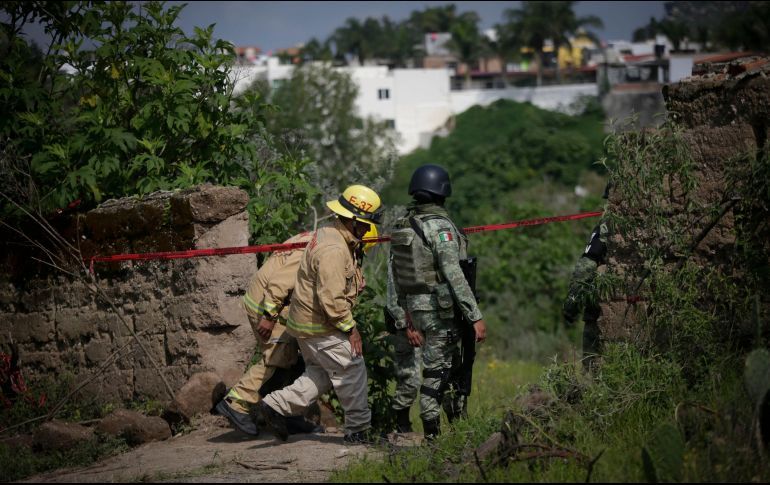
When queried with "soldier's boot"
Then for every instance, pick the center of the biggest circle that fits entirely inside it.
(431, 428)
(403, 424)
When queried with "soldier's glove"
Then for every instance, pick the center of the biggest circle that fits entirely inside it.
(569, 311)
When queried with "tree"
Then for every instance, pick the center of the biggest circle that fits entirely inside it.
(434, 19)
(466, 43)
(355, 38)
(538, 21)
(564, 24)
(506, 46)
(317, 110)
(145, 108)
(399, 42)
(646, 32)
(747, 28)
(314, 50)
(675, 31)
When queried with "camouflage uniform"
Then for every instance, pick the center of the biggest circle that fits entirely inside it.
(406, 357)
(430, 286)
(582, 291)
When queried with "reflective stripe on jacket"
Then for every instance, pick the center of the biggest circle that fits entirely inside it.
(328, 282)
(271, 286)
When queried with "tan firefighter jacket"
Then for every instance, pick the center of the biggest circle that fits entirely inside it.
(328, 281)
(270, 289)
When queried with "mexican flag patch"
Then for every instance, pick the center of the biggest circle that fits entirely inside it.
(445, 236)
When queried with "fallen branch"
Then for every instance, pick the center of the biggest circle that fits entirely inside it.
(546, 454)
(591, 466)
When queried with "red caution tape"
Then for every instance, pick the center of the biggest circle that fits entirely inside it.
(266, 248)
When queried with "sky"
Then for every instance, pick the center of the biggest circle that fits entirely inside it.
(276, 25)
(272, 25)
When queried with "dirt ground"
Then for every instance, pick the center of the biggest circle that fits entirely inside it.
(215, 452)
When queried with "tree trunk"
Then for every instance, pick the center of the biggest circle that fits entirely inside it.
(539, 61)
(556, 57)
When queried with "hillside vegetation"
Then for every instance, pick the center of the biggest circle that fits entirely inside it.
(687, 397)
(511, 161)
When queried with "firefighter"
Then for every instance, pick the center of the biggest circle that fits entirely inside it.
(280, 363)
(320, 317)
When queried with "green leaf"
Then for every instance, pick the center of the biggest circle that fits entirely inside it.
(663, 456)
(756, 374)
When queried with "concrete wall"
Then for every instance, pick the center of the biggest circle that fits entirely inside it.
(556, 98)
(420, 101)
(186, 312)
(642, 102)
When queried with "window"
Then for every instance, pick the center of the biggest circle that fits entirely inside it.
(390, 124)
(383, 94)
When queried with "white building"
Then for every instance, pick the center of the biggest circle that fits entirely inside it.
(417, 103)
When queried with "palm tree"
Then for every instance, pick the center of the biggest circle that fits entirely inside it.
(314, 50)
(537, 21)
(506, 46)
(433, 19)
(565, 25)
(466, 42)
(676, 31)
(349, 39)
(531, 21)
(399, 42)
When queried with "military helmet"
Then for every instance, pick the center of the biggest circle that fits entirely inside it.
(432, 179)
(358, 202)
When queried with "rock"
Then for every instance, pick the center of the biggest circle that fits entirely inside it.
(326, 417)
(199, 395)
(490, 446)
(207, 203)
(135, 427)
(58, 435)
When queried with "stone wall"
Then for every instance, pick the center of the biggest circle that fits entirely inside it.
(725, 113)
(186, 312)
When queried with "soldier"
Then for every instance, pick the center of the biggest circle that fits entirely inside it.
(406, 358)
(266, 304)
(320, 317)
(582, 293)
(425, 253)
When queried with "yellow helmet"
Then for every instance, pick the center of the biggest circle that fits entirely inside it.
(358, 202)
(370, 234)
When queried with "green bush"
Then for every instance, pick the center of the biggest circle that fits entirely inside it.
(511, 161)
(143, 107)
